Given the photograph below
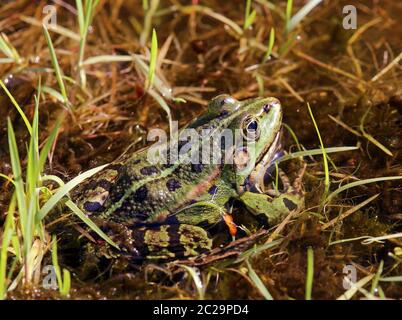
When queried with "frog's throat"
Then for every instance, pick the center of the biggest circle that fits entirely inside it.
(256, 178)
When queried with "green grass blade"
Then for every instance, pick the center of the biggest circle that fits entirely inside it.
(300, 15)
(370, 137)
(164, 89)
(80, 15)
(249, 16)
(152, 61)
(90, 6)
(310, 273)
(294, 136)
(8, 49)
(16, 105)
(17, 172)
(163, 104)
(145, 5)
(271, 43)
(7, 178)
(391, 279)
(314, 152)
(54, 93)
(288, 13)
(4, 47)
(49, 142)
(64, 190)
(197, 281)
(107, 59)
(90, 223)
(54, 28)
(325, 160)
(376, 278)
(258, 282)
(66, 283)
(55, 63)
(6, 60)
(257, 249)
(214, 15)
(148, 21)
(85, 15)
(7, 235)
(360, 183)
(32, 177)
(55, 263)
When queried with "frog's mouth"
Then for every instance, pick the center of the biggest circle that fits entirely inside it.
(264, 163)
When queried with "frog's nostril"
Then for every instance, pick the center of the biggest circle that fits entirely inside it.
(272, 103)
(267, 107)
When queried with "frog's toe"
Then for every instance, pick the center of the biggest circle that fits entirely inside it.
(297, 183)
(284, 179)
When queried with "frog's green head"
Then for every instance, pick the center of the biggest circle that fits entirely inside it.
(258, 128)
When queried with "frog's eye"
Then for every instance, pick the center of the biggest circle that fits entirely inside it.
(251, 128)
(223, 101)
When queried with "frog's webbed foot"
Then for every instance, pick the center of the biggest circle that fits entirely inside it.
(273, 205)
(287, 186)
(285, 183)
(298, 182)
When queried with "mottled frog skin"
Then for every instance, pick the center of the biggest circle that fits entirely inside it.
(167, 210)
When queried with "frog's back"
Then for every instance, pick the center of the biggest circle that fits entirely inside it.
(137, 191)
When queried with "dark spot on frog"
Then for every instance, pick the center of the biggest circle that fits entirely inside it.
(150, 170)
(172, 219)
(204, 224)
(141, 214)
(248, 186)
(289, 204)
(175, 242)
(197, 168)
(92, 206)
(104, 184)
(223, 114)
(115, 166)
(262, 219)
(173, 185)
(138, 240)
(90, 185)
(141, 194)
(213, 190)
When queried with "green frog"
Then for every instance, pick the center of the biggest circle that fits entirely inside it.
(168, 209)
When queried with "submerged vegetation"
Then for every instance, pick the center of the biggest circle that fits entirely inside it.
(80, 85)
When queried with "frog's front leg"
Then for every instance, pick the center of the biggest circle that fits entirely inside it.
(270, 210)
(171, 241)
